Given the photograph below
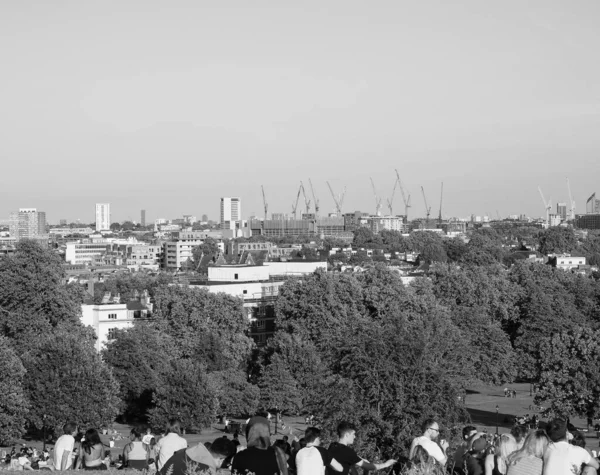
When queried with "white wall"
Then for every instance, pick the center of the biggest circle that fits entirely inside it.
(244, 273)
(294, 268)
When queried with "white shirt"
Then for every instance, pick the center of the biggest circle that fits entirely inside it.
(562, 458)
(431, 447)
(167, 446)
(65, 443)
(310, 462)
(147, 439)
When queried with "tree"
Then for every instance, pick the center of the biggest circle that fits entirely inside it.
(557, 240)
(185, 392)
(186, 314)
(67, 380)
(139, 357)
(429, 245)
(31, 287)
(278, 387)
(235, 395)
(364, 237)
(13, 401)
(570, 373)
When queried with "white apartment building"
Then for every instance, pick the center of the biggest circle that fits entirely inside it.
(176, 253)
(231, 211)
(143, 256)
(85, 252)
(102, 216)
(568, 262)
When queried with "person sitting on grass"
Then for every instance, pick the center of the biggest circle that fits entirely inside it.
(92, 452)
(136, 453)
(529, 460)
(202, 458)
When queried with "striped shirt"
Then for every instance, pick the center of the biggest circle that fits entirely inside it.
(528, 465)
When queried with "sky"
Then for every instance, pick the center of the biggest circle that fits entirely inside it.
(169, 105)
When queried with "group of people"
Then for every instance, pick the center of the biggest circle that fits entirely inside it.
(553, 451)
(26, 458)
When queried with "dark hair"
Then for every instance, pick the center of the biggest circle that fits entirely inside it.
(578, 439)
(152, 442)
(344, 427)
(222, 447)
(311, 434)
(69, 428)
(467, 430)
(91, 438)
(426, 424)
(519, 432)
(285, 438)
(302, 442)
(421, 455)
(136, 432)
(174, 426)
(557, 430)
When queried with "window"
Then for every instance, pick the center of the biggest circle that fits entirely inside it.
(112, 316)
(235, 276)
(112, 333)
(260, 324)
(245, 292)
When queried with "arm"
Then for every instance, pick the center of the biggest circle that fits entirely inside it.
(126, 451)
(414, 444)
(489, 464)
(375, 466)
(65, 459)
(336, 465)
(593, 463)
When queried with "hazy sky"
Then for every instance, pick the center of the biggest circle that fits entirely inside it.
(168, 105)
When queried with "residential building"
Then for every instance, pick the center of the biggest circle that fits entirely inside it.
(143, 218)
(28, 223)
(231, 211)
(102, 216)
(390, 223)
(70, 231)
(144, 256)
(177, 253)
(258, 287)
(566, 262)
(63, 222)
(109, 317)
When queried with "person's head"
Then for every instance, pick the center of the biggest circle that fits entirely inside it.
(91, 438)
(312, 435)
(302, 442)
(174, 426)
(421, 455)
(468, 431)
(220, 449)
(478, 444)
(285, 438)
(505, 446)
(519, 432)
(346, 433)
(152, 442)
(557, 430)
(70, 428)
(148, 430)
(258, 432)
(135, 434)
(430, 429)
(578, 439)
(534, 445)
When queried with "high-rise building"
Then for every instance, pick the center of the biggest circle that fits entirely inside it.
(28, 223)
(102, 216)
(63, 222)
(231, 211)
(143, 221)
(561, 211)
(204, 218)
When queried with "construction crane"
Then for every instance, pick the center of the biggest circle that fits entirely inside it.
(571, 202)
(264, 201)
(441, 196)
(339, 201)
(390, 202)
(316, 201)
(427, 208)
(377, 199)
(547, 205)
(404, 198)
(306, 200)
(295, 205)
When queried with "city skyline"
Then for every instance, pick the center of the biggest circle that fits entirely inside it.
(210, 100)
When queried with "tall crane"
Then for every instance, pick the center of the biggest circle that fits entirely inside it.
(295, 205)
(441, 196)
(306, 200)
(339, 201)
(312, 190)
(377, 199)
(390, 202)
(571, 202)
(404, 198)
(427, 208)
(547, 205)
(264, 201)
